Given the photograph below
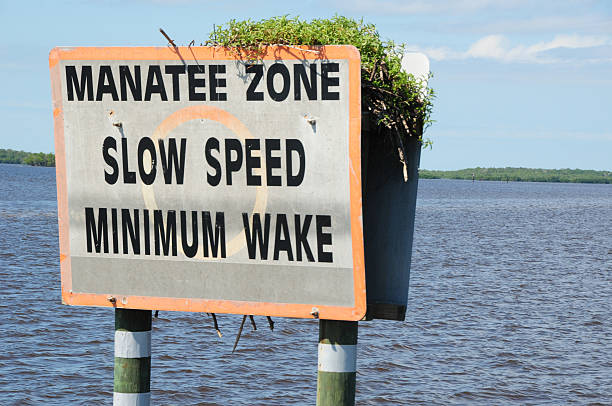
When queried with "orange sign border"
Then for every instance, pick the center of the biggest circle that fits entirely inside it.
(346, 52)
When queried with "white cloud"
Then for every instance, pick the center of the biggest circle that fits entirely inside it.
(568, 41)
(588, 23)
(492, 46)
(498, 47)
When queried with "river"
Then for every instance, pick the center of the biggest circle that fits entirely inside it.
(510, 303)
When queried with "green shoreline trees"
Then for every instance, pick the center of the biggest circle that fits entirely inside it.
(522, 175)
(10, 156)
(508, 174)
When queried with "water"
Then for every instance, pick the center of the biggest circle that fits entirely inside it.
(510, 303)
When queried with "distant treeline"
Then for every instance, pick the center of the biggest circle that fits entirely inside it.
(10, 156)
(522, 175)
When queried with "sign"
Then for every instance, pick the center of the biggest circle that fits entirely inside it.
(191, 179)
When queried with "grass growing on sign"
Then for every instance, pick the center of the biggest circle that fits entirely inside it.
(399, 103)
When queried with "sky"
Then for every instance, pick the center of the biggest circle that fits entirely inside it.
(518, 83)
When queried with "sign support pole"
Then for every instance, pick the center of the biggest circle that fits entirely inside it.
(132, 386)
(337, 363)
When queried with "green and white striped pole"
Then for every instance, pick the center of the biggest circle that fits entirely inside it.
(132, 358)
(337, 363)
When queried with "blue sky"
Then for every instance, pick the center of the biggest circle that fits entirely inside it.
(518, 83)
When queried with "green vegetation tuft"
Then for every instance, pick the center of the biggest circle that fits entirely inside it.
(10, 156)
(522, 175)
(399, 103)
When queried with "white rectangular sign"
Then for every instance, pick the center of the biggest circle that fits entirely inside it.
(193, 179)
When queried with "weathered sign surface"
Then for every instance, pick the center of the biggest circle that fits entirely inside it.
(191, 179)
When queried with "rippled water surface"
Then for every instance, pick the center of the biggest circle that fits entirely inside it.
(510, 303)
